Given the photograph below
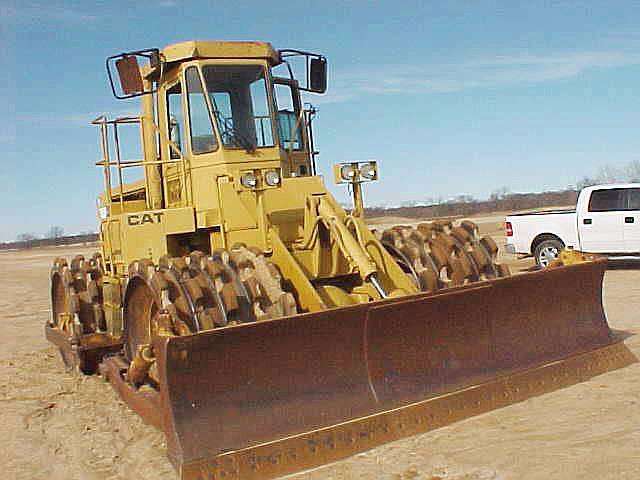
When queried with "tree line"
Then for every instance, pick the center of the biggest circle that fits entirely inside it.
(500, 201)
(54, 236)
(628, 173)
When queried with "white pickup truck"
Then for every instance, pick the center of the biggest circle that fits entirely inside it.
(606, 221)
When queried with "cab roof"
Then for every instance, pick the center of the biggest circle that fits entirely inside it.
(179, 52)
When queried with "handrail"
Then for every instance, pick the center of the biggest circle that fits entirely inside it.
(102, 119)
(107, 163)
(136, 163)
(183, 170)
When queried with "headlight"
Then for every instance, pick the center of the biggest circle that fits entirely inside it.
(368, 171)
(272, 178)
(249, 180)
(348, 172)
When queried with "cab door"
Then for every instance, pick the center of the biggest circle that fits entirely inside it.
(632, 220)
(172, 133)
(601, 226)
(292, 127)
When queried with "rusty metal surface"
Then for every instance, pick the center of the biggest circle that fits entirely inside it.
(266, 391)
(145, 403)
(84, 353)
(322, 446)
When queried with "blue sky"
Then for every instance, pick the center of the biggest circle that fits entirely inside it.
(450, 97)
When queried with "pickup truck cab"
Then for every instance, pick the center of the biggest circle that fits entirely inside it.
(606, 220)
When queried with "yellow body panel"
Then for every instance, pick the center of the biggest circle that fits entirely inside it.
(144, 234)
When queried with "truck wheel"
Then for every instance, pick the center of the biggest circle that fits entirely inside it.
(547, 251)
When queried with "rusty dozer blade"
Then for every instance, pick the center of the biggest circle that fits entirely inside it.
(265, 399)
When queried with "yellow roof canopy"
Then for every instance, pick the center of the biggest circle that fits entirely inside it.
(220, 49)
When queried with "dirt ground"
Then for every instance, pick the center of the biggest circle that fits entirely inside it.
(55, 425)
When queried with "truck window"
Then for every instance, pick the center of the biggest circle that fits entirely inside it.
(290, 136)
(241, 105)
(175, 121)
(607, 200)
(202, 138)
(633, 199)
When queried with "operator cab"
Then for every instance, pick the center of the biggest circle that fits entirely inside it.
(219, 102)
(218, 127)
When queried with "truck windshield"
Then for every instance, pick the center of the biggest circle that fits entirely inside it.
(240, 104)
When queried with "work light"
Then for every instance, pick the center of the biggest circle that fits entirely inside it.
(249, 180)
(348, 172)
(272, 178)
(369, 171)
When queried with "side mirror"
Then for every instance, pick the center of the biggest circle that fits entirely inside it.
(130, 76)
(315, 69)
(318, 75)
(130, 72)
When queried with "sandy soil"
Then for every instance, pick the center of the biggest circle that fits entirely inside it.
(56, 425)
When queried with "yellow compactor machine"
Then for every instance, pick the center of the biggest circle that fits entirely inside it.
(265, 329)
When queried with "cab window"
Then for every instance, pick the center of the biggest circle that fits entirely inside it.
(240, 105)
(175, 121)
(290, 136)
(203, 140)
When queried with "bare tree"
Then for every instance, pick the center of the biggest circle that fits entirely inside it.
(633, 171)
(436, 200)
(610, 174)
(464, 198)
(25, 237)
(55, 232)
(586, 182)
(500, 193)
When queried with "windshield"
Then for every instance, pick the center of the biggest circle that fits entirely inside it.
(240, 104)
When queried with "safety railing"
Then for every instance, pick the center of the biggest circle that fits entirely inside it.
(116, 161)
